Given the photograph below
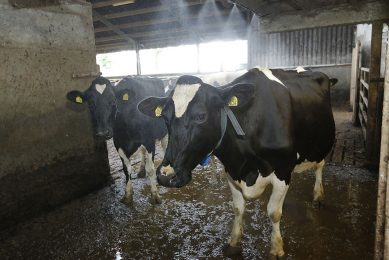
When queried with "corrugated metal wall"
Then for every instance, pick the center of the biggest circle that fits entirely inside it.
(317, 46)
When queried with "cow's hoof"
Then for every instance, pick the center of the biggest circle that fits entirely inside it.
(229, 250)
(317, 204)
(156, 200)
(142, 173)
(276, 257)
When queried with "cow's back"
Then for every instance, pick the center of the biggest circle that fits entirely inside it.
(313, 121)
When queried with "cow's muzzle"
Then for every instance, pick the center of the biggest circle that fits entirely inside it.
(168, 177)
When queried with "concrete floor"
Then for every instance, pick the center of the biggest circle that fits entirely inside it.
(195, 221)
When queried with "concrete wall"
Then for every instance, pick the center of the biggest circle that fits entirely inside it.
(48, 154)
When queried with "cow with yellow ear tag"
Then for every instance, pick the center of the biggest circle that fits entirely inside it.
(262, 126)
(114, 113)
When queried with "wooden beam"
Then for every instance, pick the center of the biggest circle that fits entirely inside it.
(342, 14)
(107, 3)
(117, 31)
(156, 21)
(202, 28)
(132, 13)
(373, 129)
(146, 10)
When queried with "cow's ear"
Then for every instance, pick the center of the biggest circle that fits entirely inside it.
(152, 106)
(238, 95)
(76, 96)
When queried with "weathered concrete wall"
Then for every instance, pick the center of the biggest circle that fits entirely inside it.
(48, 154)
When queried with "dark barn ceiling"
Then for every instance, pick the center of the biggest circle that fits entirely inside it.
(121, 24)
(160, 23)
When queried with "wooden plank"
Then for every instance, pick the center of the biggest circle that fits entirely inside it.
(373, 129)
(365, 69)
(155, 21)
(365, 101)
(365, 84)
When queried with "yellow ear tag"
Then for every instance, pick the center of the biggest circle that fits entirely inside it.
(125, 97)
(158, 111)
(79, 99)
(233, 102)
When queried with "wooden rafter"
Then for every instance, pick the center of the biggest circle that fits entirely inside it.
(201, 28)
(156, 21)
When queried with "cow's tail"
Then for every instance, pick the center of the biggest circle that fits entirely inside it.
(333, 81)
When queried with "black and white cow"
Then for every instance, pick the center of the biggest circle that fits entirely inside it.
(114, 114)
(262, 126)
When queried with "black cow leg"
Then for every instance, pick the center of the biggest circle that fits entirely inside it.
(229, 250)
(127, 198)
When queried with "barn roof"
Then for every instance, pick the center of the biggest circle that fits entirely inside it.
(125, 24)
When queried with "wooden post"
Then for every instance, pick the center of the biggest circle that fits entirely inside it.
(381, 250)
(373, 129)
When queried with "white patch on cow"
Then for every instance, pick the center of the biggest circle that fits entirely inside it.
(304, 166)
(318, 191)
(300, 69)
(239, 205)
(298, 156)
(182, 95)
(274, 211)
(240, 192)
(100, 88)
(167, 170)
(269, 74)
(150, 170)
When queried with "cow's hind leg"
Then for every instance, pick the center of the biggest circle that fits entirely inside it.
(150, 170)
(127, 168)
(274, 211)
(318, 191)
(239, 204)
(142, 168)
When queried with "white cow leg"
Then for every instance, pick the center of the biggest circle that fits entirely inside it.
(318, 191)
(239, 204)
(129, 189)
(150, 170)
(142, 167)
(274, 211)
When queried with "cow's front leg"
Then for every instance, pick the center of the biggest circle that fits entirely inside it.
(239, 204)
(274, 211)
(127, 168)
(318, 191)
(150, 170)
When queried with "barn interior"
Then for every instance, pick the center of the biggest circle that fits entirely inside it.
(61, 188)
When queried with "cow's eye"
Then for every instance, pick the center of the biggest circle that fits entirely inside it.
(199, 118)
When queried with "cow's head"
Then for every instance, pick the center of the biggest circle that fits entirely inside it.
(192, 115)
(102, 105)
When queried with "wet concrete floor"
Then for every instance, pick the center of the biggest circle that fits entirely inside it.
(195, 221)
